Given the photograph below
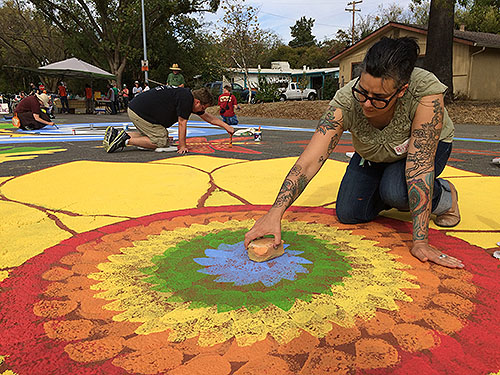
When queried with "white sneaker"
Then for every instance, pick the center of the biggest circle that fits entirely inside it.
(166, 149)
(496, 161)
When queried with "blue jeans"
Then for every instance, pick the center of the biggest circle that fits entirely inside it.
(233, 120)
(368, 189)
(64, 104)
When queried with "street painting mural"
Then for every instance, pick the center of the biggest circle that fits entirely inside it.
(102, 274)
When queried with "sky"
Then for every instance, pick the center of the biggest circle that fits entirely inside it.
(329, 15)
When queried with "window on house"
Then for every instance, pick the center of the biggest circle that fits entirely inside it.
(355, 70)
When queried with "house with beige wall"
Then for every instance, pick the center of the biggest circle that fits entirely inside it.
(476, 59)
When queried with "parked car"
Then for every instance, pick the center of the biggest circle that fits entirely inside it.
(217, 86)
(292, 91)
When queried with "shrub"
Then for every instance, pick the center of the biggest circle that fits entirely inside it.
(268, 90)
(330, 88)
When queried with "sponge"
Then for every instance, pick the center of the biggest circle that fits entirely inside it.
(263, 249)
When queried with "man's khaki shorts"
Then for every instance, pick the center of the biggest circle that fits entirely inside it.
(158, 134)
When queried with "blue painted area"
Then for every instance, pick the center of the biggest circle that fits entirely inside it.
(232, 265)
(83, 132)
(95, 132)
(67, 129)
(476, 140)
(49, 139)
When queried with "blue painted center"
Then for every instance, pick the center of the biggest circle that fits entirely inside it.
(232, 265)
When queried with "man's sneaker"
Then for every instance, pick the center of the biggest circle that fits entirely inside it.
(109, 135)
(118, 142)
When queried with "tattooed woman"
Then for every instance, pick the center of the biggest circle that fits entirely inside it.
(402, 135)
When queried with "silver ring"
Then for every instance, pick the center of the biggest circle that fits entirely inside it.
(442, 256)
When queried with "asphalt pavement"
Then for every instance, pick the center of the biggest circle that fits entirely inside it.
(473, 150)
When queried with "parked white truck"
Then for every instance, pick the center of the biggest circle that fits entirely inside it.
(292, 91)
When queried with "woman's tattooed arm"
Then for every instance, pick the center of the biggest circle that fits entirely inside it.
(330, 122)
(294, 184)
(324, 140)
(420, 170)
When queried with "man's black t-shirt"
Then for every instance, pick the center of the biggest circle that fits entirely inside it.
(163, 105)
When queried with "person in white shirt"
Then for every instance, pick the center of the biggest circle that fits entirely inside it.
(137, 89)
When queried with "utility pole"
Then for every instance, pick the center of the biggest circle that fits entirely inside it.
(145, 63)
(353, 10)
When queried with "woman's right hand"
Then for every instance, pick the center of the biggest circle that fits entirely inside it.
(270, 223)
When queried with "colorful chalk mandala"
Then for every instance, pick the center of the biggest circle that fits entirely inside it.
(175, 293)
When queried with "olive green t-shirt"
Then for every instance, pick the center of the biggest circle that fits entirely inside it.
(175, 79)
(390, 143)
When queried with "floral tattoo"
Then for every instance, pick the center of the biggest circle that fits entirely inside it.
(294, 184)
(329, 122)
(420, 171)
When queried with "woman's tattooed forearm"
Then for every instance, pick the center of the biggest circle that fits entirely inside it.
(334, 140)
(420, 171)
(294, 184)
(420, 196)
(333, 143)
(328, 121)
(295, 171)
(426, 138)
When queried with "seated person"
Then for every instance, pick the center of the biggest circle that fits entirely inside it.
(30, 114)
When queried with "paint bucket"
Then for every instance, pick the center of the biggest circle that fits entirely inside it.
(257, 136)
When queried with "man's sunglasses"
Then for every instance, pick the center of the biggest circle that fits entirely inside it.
(378, 103)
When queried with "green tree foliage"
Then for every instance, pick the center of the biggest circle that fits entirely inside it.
(482, 16)
(302, 33)
(417, 13)
(337, 44)
(313, 56)
(186, 43)
(331, 87)
(244, 43)
(26, 40)
(110, 31)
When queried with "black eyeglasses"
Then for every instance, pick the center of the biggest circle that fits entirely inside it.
(378, 103)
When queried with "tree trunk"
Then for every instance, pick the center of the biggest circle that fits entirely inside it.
(439, 50)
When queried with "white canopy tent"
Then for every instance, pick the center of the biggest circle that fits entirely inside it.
(74, 67)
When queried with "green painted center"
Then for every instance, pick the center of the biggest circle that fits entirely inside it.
(177, 272)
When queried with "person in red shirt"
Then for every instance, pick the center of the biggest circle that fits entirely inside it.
(63, 96)
(89, 100)
(125, 95)
(30, 114)
(41, 88)
(227, 103)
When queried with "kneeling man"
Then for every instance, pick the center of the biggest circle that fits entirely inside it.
(154, 111)
(30, 112)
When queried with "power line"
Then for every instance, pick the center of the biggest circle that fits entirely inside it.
(291, 18)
